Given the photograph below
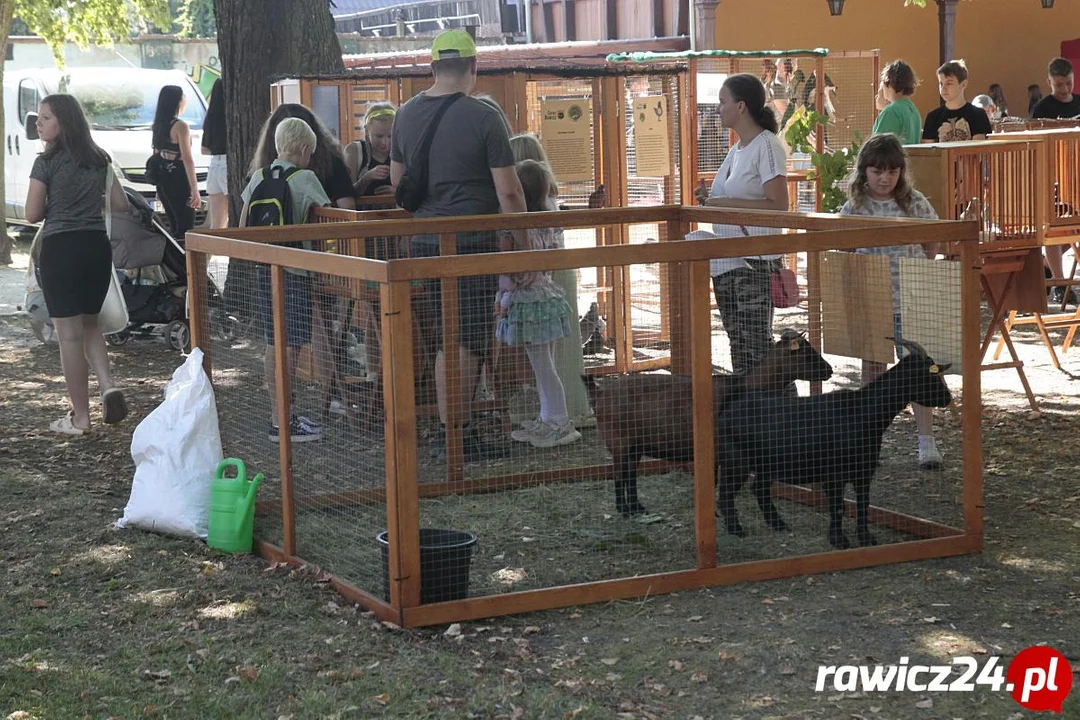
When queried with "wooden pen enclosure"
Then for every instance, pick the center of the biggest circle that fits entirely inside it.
(548, 532)
(681, 86)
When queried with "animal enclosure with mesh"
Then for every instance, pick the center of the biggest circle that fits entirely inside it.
(427, 486)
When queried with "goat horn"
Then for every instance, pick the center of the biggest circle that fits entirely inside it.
(913, 347)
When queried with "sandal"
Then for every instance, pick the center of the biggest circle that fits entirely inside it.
(66, 426)
(114, 408)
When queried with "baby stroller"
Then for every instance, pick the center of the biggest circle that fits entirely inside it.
(155, 280)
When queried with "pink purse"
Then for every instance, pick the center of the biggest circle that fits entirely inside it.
(783, 288)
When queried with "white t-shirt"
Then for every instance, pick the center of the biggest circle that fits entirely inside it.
(742, 176)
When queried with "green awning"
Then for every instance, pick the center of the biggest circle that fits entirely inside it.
(691, 54)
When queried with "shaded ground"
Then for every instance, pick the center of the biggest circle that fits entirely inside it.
(105, 623)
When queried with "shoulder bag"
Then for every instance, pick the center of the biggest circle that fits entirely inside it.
(412, 189)
(113, 317)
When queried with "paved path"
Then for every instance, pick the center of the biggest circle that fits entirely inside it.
(13, 281)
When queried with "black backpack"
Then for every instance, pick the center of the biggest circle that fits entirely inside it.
(271, 200)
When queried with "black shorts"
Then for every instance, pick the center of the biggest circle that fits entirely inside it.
(74, 268)
(476, 294)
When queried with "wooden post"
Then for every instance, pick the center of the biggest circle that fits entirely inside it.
(971, 420)
(704, 418)
(688, 133)
(679, 305)
(198, 310)
(946, 30)
(819, 104)
(456, 404)
(570, 20)
(611, 19)
(658, 29)
(1042, 186)
(813, 259)
(614, 144)
(705, 29)
(877, 76)
(602, 177)
(813, 307)
(402, 496)
(283, 397)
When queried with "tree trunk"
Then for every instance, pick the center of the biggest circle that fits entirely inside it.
(6, 8)
(258, 39)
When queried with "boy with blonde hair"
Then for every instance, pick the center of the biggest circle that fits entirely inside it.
(281, 194)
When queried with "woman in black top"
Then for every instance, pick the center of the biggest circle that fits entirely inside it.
(67, 184)
(369, 159)
(176, 188)
(213, 144)
(327, 161)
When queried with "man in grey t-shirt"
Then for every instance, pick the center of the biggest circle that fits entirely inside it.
(470, 172)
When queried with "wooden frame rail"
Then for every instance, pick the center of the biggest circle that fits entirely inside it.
(690, 318)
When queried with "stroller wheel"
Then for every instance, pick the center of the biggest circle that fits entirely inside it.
(178, 335)
(118, 339)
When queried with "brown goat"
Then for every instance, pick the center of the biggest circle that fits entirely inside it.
(653, 414)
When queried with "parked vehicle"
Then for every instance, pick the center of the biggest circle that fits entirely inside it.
(118, 102)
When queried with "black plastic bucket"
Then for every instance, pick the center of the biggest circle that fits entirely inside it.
(444, 564)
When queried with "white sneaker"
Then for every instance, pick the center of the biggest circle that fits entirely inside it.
(532, 425)
(588, 420)
(299, 431)
(548, 436)
(528, 431)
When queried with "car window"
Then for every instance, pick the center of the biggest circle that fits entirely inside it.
(128, 101)
(29, 98)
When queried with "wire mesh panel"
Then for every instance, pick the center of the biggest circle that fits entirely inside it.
(532, 483)
(574, 152)
(851, 84)
(242, 395)
(650, 111)
(672, 478)
(1062, 147)
(998, 183)
(892, 330)
(791, 83)
(363, 95)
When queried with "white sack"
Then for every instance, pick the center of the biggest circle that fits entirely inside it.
(176, 450)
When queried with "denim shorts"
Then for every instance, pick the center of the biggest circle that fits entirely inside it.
(217, 176)
(298, 292)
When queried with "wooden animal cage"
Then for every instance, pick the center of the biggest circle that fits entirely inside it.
(586, 153)
(635, 166)
(1002, 184)
(362, 503)
(846, 98)
(1059, 143)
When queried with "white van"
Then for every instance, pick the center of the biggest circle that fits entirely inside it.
(119, 104)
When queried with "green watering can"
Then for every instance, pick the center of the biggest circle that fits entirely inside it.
(232, 508)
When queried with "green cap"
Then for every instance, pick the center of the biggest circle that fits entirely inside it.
(453, 44)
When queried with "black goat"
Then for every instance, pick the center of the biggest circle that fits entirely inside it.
(830, 439)
(654, 414)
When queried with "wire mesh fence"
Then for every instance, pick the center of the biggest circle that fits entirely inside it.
(845, 98)
(473, 473)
